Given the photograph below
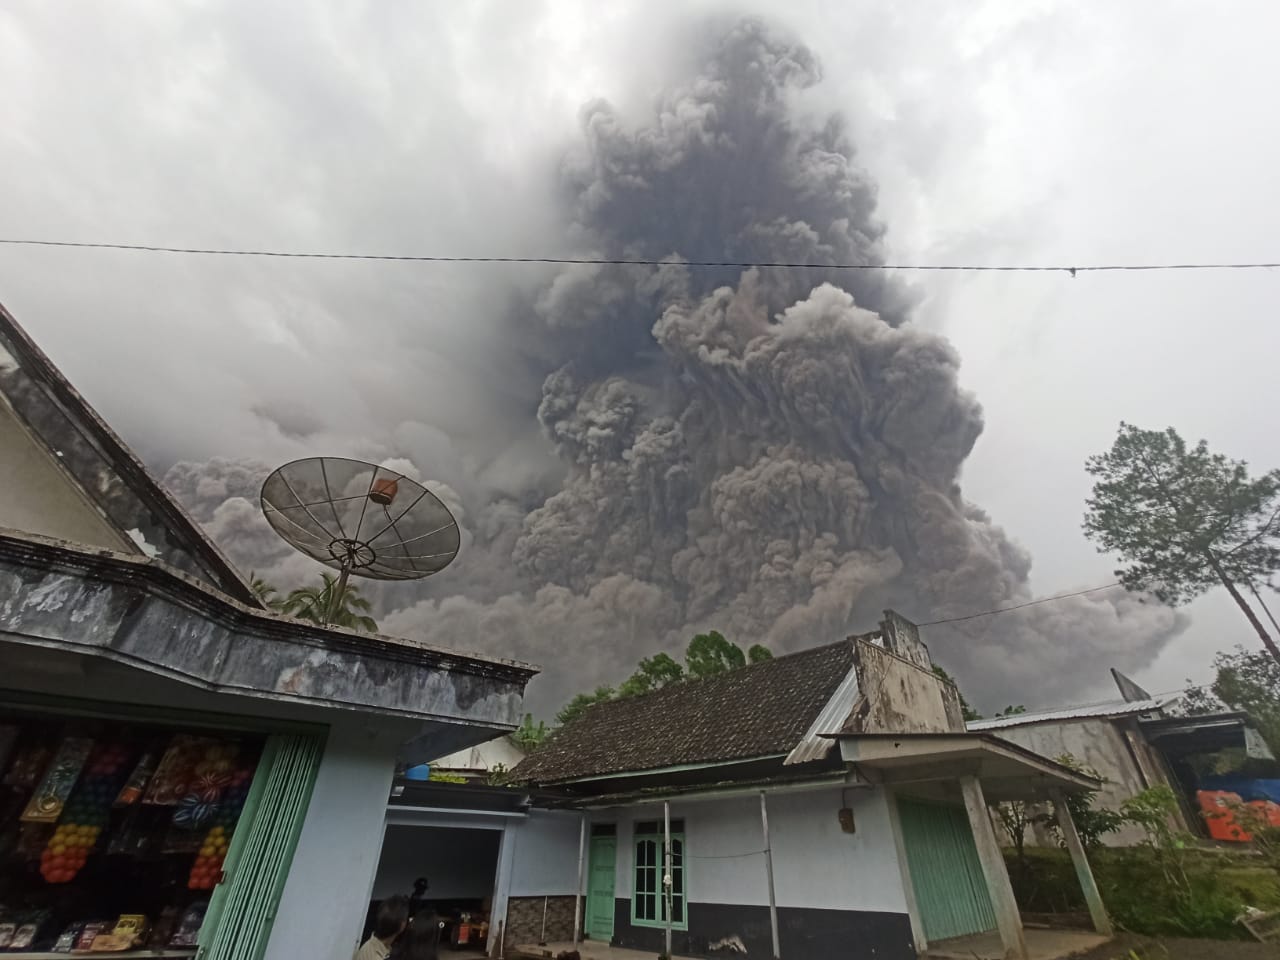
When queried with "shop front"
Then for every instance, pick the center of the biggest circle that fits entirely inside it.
(185, 776)
(117, 829)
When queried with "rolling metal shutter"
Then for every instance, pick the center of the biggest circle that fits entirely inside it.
(243, 906)
(951, 891)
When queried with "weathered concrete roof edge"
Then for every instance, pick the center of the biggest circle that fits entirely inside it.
(97, 602)
(56, 407)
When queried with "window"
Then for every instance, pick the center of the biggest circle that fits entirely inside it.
(648, 905)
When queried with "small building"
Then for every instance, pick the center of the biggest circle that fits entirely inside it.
(479, 763)
(171, 750)
(1136, 742)
(827, 803)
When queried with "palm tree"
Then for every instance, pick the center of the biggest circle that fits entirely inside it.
(266, 592)
(313, 603)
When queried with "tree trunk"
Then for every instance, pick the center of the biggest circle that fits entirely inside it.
(1248, 611)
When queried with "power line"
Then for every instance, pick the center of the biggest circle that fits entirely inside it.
(609, 261)
(1019, 606)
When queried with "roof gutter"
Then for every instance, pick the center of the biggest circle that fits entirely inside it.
(847, 779)
(663, 771)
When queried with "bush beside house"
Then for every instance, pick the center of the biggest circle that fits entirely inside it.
(1141, 896)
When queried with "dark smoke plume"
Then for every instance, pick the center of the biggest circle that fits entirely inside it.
(772, 453)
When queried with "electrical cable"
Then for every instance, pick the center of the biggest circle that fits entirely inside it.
(609, 261)
(1019, 606)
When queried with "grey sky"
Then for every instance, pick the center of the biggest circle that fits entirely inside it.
(1011, 132)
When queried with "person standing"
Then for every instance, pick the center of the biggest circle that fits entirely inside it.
(393, 917)
(418, 942)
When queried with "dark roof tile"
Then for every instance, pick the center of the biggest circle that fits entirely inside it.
(755, 711)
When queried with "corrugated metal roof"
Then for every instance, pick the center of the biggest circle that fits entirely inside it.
(1111, 708)
(815, 746)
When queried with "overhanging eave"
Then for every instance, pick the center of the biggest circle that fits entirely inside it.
(138, 612)
(1007, 772)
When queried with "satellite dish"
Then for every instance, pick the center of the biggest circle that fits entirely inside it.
(357, 517)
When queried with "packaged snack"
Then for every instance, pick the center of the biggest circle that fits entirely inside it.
(27, 765)
(131, 925)
(24, 936)
(133, 788)
(86, 814)
(66, 941)
(89, 934)
(59, 780)
(162, 932)
(177, 769)
(189, 927)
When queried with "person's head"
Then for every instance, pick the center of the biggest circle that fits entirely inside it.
(393, 915)
(418, 942)
(420, 886)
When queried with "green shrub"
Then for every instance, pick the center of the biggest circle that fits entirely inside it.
(1139, 895)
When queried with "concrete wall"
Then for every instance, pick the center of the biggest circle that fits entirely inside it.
(325, 900)
(1097, 744)
(898, 696)
(39, 497)
(544, 857)
(815, 864)
(458, 864)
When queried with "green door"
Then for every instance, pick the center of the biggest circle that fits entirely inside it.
(600, 872)
(951, 892)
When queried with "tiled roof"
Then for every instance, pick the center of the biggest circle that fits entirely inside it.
(759, 710)
(1111, 708)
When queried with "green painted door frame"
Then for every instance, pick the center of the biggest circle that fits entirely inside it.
(946, 875)
(602, 861)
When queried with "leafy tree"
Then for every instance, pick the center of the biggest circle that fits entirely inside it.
(579, 704)
(1011, 711)
(707, 655)
(1244, 681)
(1016, 816)
(529, 736)
(1091, 823)
(266, 592)
(653, 673)
(968, 711)
(1184, 519)
(710, 653)
(313, 603)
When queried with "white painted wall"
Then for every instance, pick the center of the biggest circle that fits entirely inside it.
(458, 864)
(544, 854)
(38, 496)
(815, 863)
(483, 756)
(325, 900)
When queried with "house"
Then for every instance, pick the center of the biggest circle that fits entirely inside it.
(1134, 742)
(827, 803)
(479, 762)
(168, 747)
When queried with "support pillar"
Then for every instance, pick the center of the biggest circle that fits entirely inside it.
(577, 894)
(1084, 872)
(994, 870)
(768, 869)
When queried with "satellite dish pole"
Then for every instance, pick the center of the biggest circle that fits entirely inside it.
(335, 595)
(328, 508)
